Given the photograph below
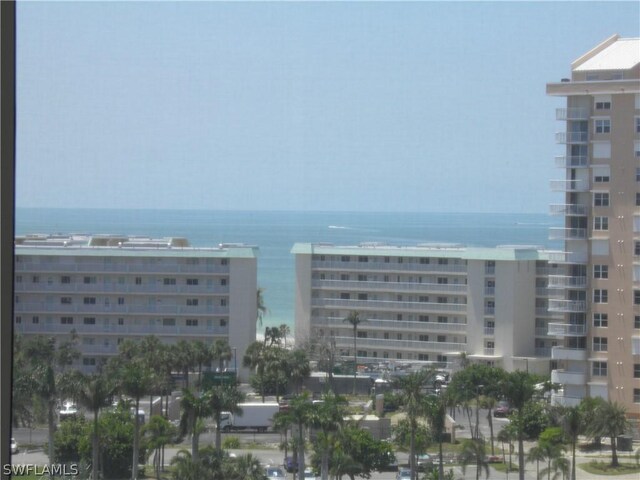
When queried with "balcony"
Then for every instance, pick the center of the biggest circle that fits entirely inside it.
(117, 288)
(119, 268)
(388, 305)
(560, 233)
(347, 342)
(567, 377)
(101, 329)
(489, 331)
(567, 281)
(389, 267)
(392, 325)
(566, 330)
(43, 307)
(544, 352)
(490, 291)
(572, 137)
(558, 398)
(567, 306)
(572, 113)
(569, 186)
(564, 353)
(574, 258)
(572, 161)
(390, 286)
(569, 210)
(489, 310)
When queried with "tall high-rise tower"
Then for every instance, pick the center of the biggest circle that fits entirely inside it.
(599, 354)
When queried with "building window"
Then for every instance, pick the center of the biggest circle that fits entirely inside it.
(121, 321)
(89, 300)
(192, 302)
(89, 361)
(637, 124)
(362, 296)
(424, 338)
(600, 271)
(89, 280)
(636, 248)
(65, 300)
(601, 223)
(120, 300)
(363, 259)
(442, 338)
(192, 281)
(65, 279)
(636, 297)
(345, 258)
(223, 322)
(637, 174)
(424, 261)
(599, 369)
(603, 125)
(66, 320)
(599, 344)
(423, 357)
(35, 279)
(169, 281)
(168, 322)
(636, 395)
(138, 281)
(423, 318)
(636, 370)
(600, 320)
(603, 105)
(601, 178)
(443, 320)
(223, 282)
(601, 199)
(600, 295)
(442, 299)
(89, 321)
(443, 261)
(362, 334)
(35, 320)
(191, 322)
(636, 322)
(223, 302)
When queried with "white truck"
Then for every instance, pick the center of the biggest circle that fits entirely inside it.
(254, 416)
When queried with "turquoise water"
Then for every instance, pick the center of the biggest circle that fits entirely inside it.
(276, 232)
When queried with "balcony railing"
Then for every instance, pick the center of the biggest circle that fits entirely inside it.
(404, 344)
(489, 351)
(561, 399)
(117, 288)
(571, 161)
(118, 268)
(572, 137)
(101, 329)
(564, 353)
(577, 258)
(390, 286)
(391, 267)
(569, 186)
(119, 309)
(543, 352)
(559, 233)
(490, 291)
(391, 325)
(568, 209)
(489, 330)
(389, 305)
(567, 330)
(572, 113)
(567, 377)
(566, 281)
(541, 331)
(567, 306)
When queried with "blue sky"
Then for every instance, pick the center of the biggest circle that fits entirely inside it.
(417, 106)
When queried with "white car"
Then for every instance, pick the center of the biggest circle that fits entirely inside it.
(274, 473)
(309, 474)
(403, 474)
(14, 446)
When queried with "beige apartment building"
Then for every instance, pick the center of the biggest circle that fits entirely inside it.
(108, 288)
(600, 333)
(429, 303)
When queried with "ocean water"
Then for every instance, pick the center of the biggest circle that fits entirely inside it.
(276, 232)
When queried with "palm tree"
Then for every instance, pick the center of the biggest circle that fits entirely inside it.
(436, 411)
(255, 358)
(413, 399)
(537, 454)
(473, 451)
(559, 466)
(224, 398)
(260, 305)
(284, 331)
(354, 319)
(328, 417)
(298, 367)
(185, 467)
(202, 355)
(158, 432)
(46, 375)
(221, 351)
(300, 415)
(195, 407)
(94, 392)
(572, 423)
(610, 420)
(518, 388)
(183, 357)
(246, 467)
(507, 434)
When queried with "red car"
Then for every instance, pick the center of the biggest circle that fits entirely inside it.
(502, 409)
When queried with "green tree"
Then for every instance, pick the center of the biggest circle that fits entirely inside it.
(224, 398)
(436, 411)
(94, 392)
(549, 448)
(221, 352)
(328, 417)
(413, 399)
(300, 416)
(298, 368)
(473, 452)
(518, 388)
(183, 358)
(195, 407)
(572, 422)
(260, 305)
(610, 420)
(158, 432)
(255, 358)
(354, 320)
(245, 467)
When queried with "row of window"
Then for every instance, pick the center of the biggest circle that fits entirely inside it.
(603, 125)
(190, 302)
(166, 322)
(601, 295)
(367, 259)
(601, 199)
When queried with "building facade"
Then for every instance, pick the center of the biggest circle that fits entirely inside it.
(428, 304)
(108, 288)
(599, 355)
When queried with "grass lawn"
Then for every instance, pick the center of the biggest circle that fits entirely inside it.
(502, 467)
(604, 468)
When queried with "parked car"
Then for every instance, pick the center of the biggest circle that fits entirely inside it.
(14, 446)
(309, 474)
(424, 462)
(274, 473)
(502, 409)
(403, 474)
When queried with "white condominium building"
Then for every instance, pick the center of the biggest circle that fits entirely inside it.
(600, 335)
(109, 288)
(427, 303)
